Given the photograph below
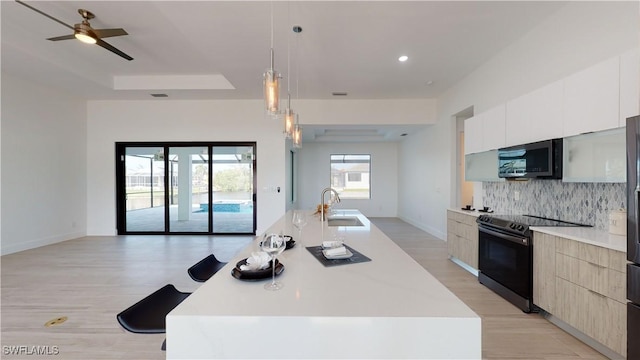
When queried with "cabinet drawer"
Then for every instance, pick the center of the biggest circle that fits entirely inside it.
(469, 220)
(572, 306)
(567, 247)
(567, 268)
(617, 289)
(596, 278)
(606, 322)
(618, 261)
(593, 254)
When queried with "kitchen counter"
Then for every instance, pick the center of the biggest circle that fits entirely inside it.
(587, 235)
(475, 213)
(389, 307)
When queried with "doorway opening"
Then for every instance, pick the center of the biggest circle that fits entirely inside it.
(464, 193)
(186, 188)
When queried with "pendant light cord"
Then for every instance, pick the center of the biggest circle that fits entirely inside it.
(289, 57)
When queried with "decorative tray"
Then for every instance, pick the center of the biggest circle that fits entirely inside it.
(357, 257)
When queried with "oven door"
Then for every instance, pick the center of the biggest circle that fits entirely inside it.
(507, 259)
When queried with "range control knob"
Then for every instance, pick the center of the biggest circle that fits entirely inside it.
(512, 226)
(521, 227)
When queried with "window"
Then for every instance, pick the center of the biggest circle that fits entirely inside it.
(350, 176)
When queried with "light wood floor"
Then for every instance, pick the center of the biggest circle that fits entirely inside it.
(91, 279)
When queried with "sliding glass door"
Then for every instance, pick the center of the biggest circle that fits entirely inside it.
(186, 188)
(232, 188)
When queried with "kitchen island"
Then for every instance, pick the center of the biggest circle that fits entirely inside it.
(386, 308)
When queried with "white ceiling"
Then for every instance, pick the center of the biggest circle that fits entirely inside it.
(345, 46)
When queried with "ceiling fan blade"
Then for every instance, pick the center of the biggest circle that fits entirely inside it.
(46, 15)
(105, 45)
(63, 37)
(105, 33)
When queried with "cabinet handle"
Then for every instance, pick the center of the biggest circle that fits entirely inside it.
(597, 293)
(596, 265)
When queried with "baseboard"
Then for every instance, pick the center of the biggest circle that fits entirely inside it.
(438, 234)
(581, 336)
(6, 249)
(464, 265)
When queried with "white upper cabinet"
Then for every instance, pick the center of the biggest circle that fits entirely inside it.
(592, 99)
(535, 116)
(493, 128)
(629, 85)
(485, 131)
(473, 137)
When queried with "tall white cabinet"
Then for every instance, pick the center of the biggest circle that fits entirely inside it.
(535, 116)
(485, 131)
(592, 98)
(629, 85)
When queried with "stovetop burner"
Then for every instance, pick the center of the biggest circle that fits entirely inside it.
(520, 223)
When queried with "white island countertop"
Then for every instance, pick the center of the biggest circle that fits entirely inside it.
(387, 308)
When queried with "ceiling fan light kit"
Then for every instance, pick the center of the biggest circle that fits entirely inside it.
(84, 32)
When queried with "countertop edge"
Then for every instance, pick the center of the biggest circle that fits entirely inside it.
(474, 213)
(587, 235)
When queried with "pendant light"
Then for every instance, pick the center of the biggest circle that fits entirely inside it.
(297, 135)
(297, 131)
(289, 119)
(289, 116)
(271, 81)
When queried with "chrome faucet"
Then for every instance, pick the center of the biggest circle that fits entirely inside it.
(322, 216)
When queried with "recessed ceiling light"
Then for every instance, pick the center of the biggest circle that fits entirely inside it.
(403, 58)
(339, 93)
(159, 95)
(429, 83)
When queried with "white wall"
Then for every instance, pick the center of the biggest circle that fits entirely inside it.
(43, 165)
(367, 112)
(314, 171)
(222, 120)
(229, 120)
(578, 35)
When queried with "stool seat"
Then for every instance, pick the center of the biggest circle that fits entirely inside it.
(205, 268)
(147, 316)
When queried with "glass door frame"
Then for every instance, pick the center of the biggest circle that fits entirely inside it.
(121, 192)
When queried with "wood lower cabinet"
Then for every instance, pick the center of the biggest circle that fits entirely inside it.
(462, 237)
(544, 271)
(582, 285)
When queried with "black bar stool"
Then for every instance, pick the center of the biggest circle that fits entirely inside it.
(205, 268)
(147, 316)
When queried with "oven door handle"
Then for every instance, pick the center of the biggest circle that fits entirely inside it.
(524, 241)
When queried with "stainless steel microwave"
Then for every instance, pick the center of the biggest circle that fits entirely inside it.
(539, 160)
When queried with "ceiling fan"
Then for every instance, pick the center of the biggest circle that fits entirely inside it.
(85, 33)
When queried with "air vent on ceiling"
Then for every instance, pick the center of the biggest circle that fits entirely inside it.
(159, 95)
(338, 93)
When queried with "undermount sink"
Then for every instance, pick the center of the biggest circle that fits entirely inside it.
(344, 221)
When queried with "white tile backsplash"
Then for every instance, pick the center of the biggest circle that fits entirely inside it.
(587, 203)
